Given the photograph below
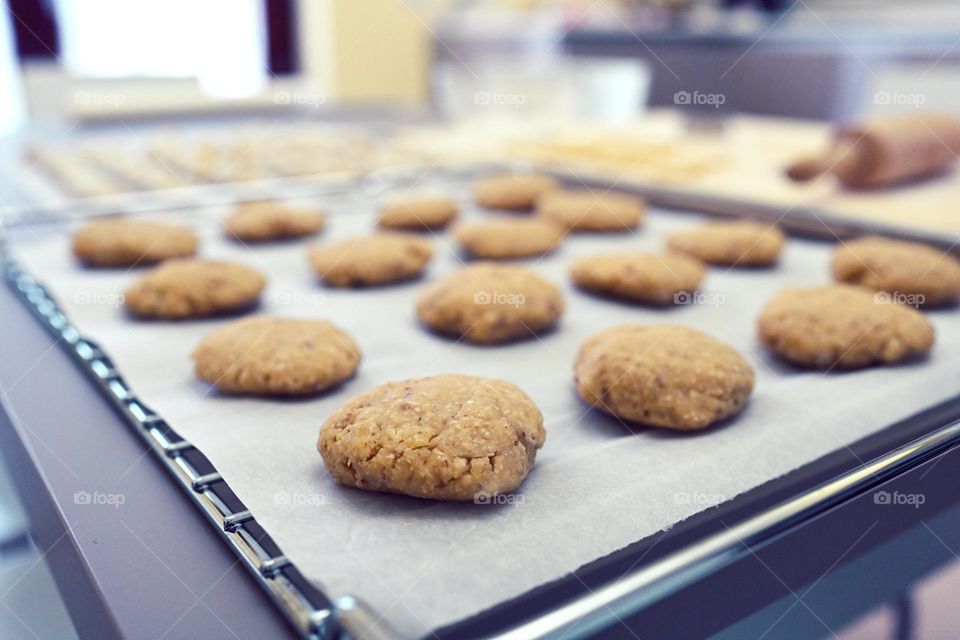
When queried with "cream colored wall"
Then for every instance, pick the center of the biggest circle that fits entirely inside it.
(369, 51)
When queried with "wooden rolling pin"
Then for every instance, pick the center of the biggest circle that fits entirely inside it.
(886, 152)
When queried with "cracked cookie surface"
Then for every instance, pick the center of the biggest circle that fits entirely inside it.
(381, 258)
(591, 211)
(510, 238)
(418, 213)
(488, 303)
(730, 244)
(271, 356)
(512, 192)
(930, 276)
(649, 278)
(119, 242)
(663, 375)
(266, 221)
(193, 289)
(842, 326)
(445, 437)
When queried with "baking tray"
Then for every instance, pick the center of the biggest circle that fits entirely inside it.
(801, 218)
(696, 546)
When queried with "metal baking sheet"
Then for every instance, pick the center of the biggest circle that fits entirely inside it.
(597, 486)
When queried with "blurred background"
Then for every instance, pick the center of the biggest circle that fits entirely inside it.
(105, 97)
(70, 60)
(157, 79)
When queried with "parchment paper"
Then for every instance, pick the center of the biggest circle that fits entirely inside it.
(596, 486)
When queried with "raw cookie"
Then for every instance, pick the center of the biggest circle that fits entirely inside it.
(642, 277)
(380, 258)
(119, 242)
(509, 238)
(512, 192)
(842, 326)
(488, 303)
(911, 272)
(589, 211)
(266, 221)
(447, 437)
(663, 375)
(271, 356)
(732, 244)
(190, 288)
(417, 213)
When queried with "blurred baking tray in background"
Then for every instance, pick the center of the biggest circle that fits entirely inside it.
(732, 167)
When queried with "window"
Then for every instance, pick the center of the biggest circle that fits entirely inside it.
(221, 43)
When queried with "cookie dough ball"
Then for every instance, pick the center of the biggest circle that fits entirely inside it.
(267, 221)
(649, 278)
(119, 242)
(271, 356)
(917, 273)
(447, 437)
(663, 376)
(842, 326)
(418, 213)
(498, 239)
(591, 211)
(180, 289)
(732, 244)
(490, 303)
(512, 192)
(371, 260)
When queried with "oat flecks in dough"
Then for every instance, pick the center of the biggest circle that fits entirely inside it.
(731, 244)
(508, 238)
(418, 213)
(592, 210)
(842, 326)
(649, 278)
(512, 192)
(381, 258)
(910, 272)
(663, 375)
(190, 288)
(489, 303)
(271, 356)
(267, 221)
(121, 242)
(446, 437)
